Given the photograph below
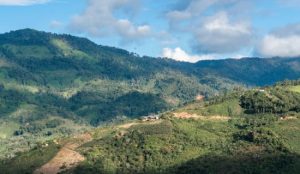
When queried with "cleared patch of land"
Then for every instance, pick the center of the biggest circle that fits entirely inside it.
(295, 88)
(129, 125)
(185, 115)
(66, 158)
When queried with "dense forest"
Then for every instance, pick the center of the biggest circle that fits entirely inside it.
(208, 136)
(54, 86)
(74, 75)
(278, 100)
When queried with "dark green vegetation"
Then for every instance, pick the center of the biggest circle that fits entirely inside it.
(246, 143)
(243, 145)
(74, 76)
(26, 163)
(242, 142)
(53, 86)
(280, 99)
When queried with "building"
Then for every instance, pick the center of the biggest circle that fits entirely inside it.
(150, 118)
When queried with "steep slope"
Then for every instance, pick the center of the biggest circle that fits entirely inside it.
(214, 136)
(75, 75)
(97, 83)
(252, 71)
(59, 85)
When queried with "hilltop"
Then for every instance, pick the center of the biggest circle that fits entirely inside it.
(55, 85)
(219, 135)
(74, 76)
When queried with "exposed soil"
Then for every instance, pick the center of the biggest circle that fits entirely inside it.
(67, 157)
(185, 115)
(288, 118)
(129, 125)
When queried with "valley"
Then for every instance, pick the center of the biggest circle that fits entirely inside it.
(69, 105)
(210, 136)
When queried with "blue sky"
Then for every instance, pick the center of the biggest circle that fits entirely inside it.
(185, 30)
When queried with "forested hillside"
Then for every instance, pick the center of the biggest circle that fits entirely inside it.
(97, 83)
(70, 83)
(219, 135)
(67, 74)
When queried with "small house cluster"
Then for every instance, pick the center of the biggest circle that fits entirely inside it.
(200, 97)
(150, 118)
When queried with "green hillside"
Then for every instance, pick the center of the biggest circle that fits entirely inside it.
(58, 86)
(87, 80)
(218, 135)
(296, 88)
(97, 83)
(214, 136)
(67, 74)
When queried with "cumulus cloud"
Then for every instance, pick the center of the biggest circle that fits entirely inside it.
(219, 35)
(213, 24)
(191, 9)
(180, 55)
(100, 19)
(127, 30)
(22, 2)
(283, 42)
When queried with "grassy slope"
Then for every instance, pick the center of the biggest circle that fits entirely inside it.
(89, 79)
(152, 147)
(35, 132)
(46, 74)
(295, 88)
(7, 129)
(28, 162)
(68, 66)
(243, 144)
(227, 108)
(179, 146)
(171, 145)
(289, 130)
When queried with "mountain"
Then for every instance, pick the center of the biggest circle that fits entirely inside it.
(59, 85)
(220, 135)
(252, 71)
(74, 77)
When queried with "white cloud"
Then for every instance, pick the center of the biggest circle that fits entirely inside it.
(217, 34)
(22, 2)
(55, 24)
(214, 25)
(100, 19)
(283, 42)
(126, 29)
(274, 46)
(180, 55)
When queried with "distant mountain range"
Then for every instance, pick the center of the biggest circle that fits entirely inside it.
(73, 77)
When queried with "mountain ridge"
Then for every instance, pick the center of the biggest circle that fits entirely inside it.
(56, 86)
(87, 75)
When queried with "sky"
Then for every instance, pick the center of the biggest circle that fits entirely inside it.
(185, 30)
